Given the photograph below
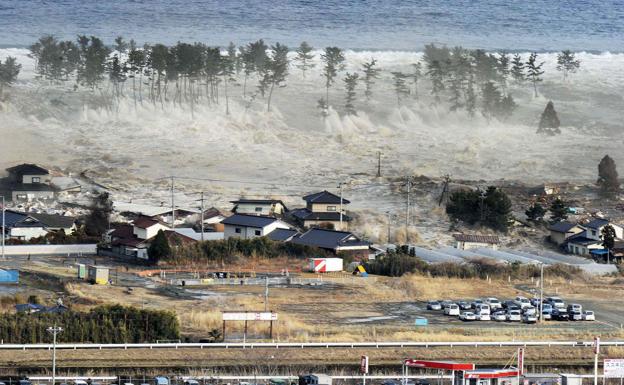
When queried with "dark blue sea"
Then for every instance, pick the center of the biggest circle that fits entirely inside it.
(589, 25)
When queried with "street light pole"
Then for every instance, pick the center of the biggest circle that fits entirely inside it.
(54, 330)
(3, 226)
(541, 304)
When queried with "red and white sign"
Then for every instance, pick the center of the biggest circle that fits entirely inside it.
(364, 365)
(490, 373)
(521, 361)
(325, 265)
(596, 345)
(444, 365)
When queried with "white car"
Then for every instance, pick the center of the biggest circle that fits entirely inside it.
(499, 316)
(529, 318)
(494, 303)
(483, 309)
(483, 317)
(467, 316)
(556, 302)
(514, 316)
(547, 314)
(589, 315)
(452, 309)
(522, 302)
(547, 307)
(530, 310)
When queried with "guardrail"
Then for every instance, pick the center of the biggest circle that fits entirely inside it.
(309, 345)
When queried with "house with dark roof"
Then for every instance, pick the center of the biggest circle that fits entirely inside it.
(146, 227)
(323, 208)
(251, 226)
(561, 231)
(474, 241)
(589, 240)
(595, 226)
(266, 207)
(125, 243)
(581, 245)
(29, 182)
(25, 226)
(283, 235)
(335, 241)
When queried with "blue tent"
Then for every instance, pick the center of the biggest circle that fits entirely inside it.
(9, 276)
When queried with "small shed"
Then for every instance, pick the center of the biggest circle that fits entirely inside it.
(98, 274)
(82, 271)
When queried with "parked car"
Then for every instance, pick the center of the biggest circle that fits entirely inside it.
(547, 306)
(575, 307)
(483, 309)
(452, 309)
(510, 304)
(535, 302)
(483, 317)
(588, 315)
(494, 303)
(530, 310)
(434, 305)
(560, 315)
(547, 314)
(467, 316)
(575, 316)
(522, 302)
(445, 303)
(499, 316)
(464, 305)
(529, 318)
(556, 302)
(476, 303)
(514, 316)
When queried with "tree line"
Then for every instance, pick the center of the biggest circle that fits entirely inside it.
(103, 324)
(189, 74)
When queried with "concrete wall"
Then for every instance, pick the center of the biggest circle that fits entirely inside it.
(87, 249)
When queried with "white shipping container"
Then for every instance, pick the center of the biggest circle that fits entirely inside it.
(325, 265)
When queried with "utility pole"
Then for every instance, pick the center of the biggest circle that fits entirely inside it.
(266, 294)
(378, 164)
(3, 226)
(389, 218)
(340, 186)
(172, 205)
(596, 353)
(202, 216)
(541, 304)
(407, 210)
(54, 330)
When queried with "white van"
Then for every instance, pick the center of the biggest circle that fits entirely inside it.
(494, 303)
(452, 309)
(522, 302)
(483, 309)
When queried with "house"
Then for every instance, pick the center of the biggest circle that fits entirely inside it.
(580, 244)
(22, 226)
(29, 182)
(56, 222)
(266, 207)
(146, 227)
(160, 213)
(595, 226)
(474, 241)
(323, 208)
(251, 226)
(334, 241)
(561, 231)
(197, 235)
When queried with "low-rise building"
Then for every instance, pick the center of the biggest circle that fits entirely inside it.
(323, 209)
(334, 241)
(29, 182)
(561, 231)
(266, 207)
(251, 226)
(25, 226)
(475, 241)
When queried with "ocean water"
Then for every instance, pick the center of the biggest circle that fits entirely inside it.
(580, 25)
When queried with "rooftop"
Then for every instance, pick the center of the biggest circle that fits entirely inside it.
(562, 227)
(144, 222)
(258, 221)
(28, 169)
(324, 197)
(307, 215)
(54, 220)
(282, 235)
(597, 223)
(328, 239)
(476, 238)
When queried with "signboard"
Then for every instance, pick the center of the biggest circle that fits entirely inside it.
(614, 368)
(521, 361)
(250, 316)
(364, 365)
(596, 345)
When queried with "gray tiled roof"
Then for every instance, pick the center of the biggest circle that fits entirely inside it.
(258, 221)
(324, 197)
(328, 239)
(562, 227)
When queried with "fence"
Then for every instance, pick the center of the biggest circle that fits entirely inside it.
(81, 249)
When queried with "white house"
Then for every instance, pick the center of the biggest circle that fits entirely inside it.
(475, 241)
(594, 229)
(146, 228)
(266, 207)
(591, 238)
(251, 226)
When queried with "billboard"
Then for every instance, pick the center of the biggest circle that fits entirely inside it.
(250, 316)
(614, 368)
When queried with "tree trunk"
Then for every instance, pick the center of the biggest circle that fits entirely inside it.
(269, 98)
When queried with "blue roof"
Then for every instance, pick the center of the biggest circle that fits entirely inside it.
(597, 223)
(562, 227)
(282, 234)
(257, 221)
(599, 251)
